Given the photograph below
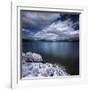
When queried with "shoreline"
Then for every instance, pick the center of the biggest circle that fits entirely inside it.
(36, 68)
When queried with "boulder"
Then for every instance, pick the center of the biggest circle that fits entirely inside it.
(23, 58)
(31, 57)
(37, 57)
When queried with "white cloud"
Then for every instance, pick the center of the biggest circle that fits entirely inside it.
(50, 28)
(60, 30)
(26, 30)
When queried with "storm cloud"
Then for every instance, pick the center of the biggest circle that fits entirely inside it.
(49, 26)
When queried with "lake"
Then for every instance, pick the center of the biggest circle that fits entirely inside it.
(60, 52)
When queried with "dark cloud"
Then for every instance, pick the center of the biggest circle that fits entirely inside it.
(37, 19)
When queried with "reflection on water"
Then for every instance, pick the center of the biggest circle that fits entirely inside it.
(64, 53)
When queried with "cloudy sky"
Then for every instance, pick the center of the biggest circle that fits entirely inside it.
(49, 26)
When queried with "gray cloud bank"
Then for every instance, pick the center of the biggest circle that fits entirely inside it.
(49, 28)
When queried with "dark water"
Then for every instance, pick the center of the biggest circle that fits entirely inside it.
(63, 53)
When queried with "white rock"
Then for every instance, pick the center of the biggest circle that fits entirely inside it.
(23, 58)
(29, 57)
(25, 70)
(32, 67)
(44, 70)
(29, 54)
(23, 54)
(37, 57)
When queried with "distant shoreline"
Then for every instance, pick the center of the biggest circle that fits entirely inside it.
(26, 40)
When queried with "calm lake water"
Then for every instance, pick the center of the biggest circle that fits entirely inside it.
(63, 53)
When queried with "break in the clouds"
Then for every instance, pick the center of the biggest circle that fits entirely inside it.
(49, 26)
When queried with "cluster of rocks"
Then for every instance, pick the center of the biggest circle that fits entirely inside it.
(32, 66)
(42, 70)
(31, 57)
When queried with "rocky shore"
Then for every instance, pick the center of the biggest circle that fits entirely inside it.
(31, 57)
(33, 66)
